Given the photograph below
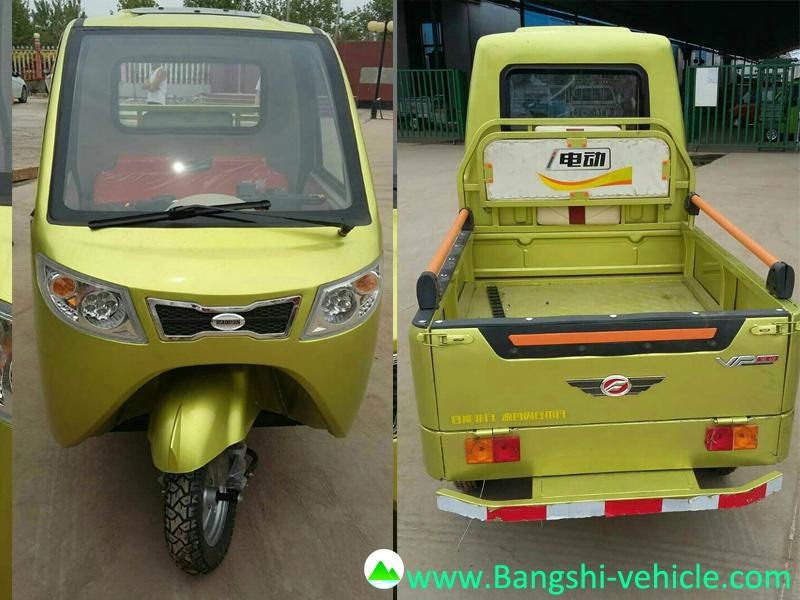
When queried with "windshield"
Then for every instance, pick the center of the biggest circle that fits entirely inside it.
(152, 120)
(545, 92)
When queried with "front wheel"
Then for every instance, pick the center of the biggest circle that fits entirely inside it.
(198, 517)
(23, 96)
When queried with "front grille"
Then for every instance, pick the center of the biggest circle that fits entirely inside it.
(185, 320)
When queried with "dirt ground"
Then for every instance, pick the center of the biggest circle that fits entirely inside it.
(87, 520)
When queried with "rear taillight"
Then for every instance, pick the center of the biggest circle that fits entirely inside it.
(731, 437)
(480, 450)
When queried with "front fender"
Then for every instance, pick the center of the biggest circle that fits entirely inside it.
(200, 412)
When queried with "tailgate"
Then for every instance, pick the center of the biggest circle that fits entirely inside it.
(593, 370)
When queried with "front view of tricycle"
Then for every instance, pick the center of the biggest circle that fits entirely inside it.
(206, 249)
(578, 336)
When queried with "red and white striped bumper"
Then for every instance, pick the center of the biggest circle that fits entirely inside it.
(486, 510)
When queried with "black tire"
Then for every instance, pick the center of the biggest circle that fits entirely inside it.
(183, 524)
(719, 471)
(23, 96)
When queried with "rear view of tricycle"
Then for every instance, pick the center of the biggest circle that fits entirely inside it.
(577, 333)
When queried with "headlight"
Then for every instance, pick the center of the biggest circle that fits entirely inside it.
(5, 361)
(343, 304)
(89, 305)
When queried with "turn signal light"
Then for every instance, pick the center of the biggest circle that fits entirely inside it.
(481, 450)
(726, 437)
(63, 286)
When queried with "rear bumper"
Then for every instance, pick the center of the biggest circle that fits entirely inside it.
(609, 495)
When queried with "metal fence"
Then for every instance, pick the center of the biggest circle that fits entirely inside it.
(33, 63)
(754, 106)
(432, 105)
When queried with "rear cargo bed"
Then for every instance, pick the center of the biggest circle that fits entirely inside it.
(550, 297)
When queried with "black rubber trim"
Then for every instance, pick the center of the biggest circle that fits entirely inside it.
(496, 332)
(495, 303)
(423, 318)
(780, 280)
(690, 206)
(427, 291)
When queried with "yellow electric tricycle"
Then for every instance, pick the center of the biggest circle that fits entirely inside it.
(206, 246)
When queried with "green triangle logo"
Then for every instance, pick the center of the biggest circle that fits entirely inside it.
(380, 573)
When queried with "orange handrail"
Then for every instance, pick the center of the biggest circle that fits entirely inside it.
(443, 250)
(764, 256)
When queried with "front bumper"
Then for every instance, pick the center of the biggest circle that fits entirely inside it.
(609, 495)
(87, 380)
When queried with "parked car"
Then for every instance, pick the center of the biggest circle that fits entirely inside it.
(19, 89)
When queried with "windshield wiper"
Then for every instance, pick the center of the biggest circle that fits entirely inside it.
(220, 211)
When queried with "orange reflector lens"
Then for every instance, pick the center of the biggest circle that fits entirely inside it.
(492, 450)
(366, 283)
(63, 286)
(479, 450)
(745, 437)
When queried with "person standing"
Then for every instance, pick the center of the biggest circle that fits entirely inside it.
(156, 84)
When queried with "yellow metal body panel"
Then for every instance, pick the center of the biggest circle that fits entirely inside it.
(199, 413)
(606, 448)
(5, 254)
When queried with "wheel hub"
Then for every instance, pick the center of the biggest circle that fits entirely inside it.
(215, 510)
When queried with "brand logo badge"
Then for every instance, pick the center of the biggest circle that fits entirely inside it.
(227, 322)
(383, 569)
(748, 360)
(580, 159)
(615, 385)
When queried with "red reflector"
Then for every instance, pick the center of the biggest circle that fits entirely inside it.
(644, 506)
(743, 498)
(505, 449)
(719, 438)
(518, 513)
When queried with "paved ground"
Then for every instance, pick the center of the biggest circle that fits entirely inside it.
(27, 123)
(88, 519)
(758, 191)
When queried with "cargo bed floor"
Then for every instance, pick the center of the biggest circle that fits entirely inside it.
(586, 296)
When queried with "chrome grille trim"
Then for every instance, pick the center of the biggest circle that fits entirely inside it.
(213, 310)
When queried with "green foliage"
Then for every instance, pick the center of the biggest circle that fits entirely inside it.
(47, 17)
(355, 26)
(325, 14)
(128, 4)
(21, 23)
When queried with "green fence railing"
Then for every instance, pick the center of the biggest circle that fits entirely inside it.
(431, 105)
(752, 105)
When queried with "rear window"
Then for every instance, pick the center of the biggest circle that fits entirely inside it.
(547, 92)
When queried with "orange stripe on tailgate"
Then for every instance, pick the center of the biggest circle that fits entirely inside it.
(612, 337)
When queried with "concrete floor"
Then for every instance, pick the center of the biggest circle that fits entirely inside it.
(87, 520)
(27, 125)
(757, 191)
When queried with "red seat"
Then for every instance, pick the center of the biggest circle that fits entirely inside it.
(136, 178)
